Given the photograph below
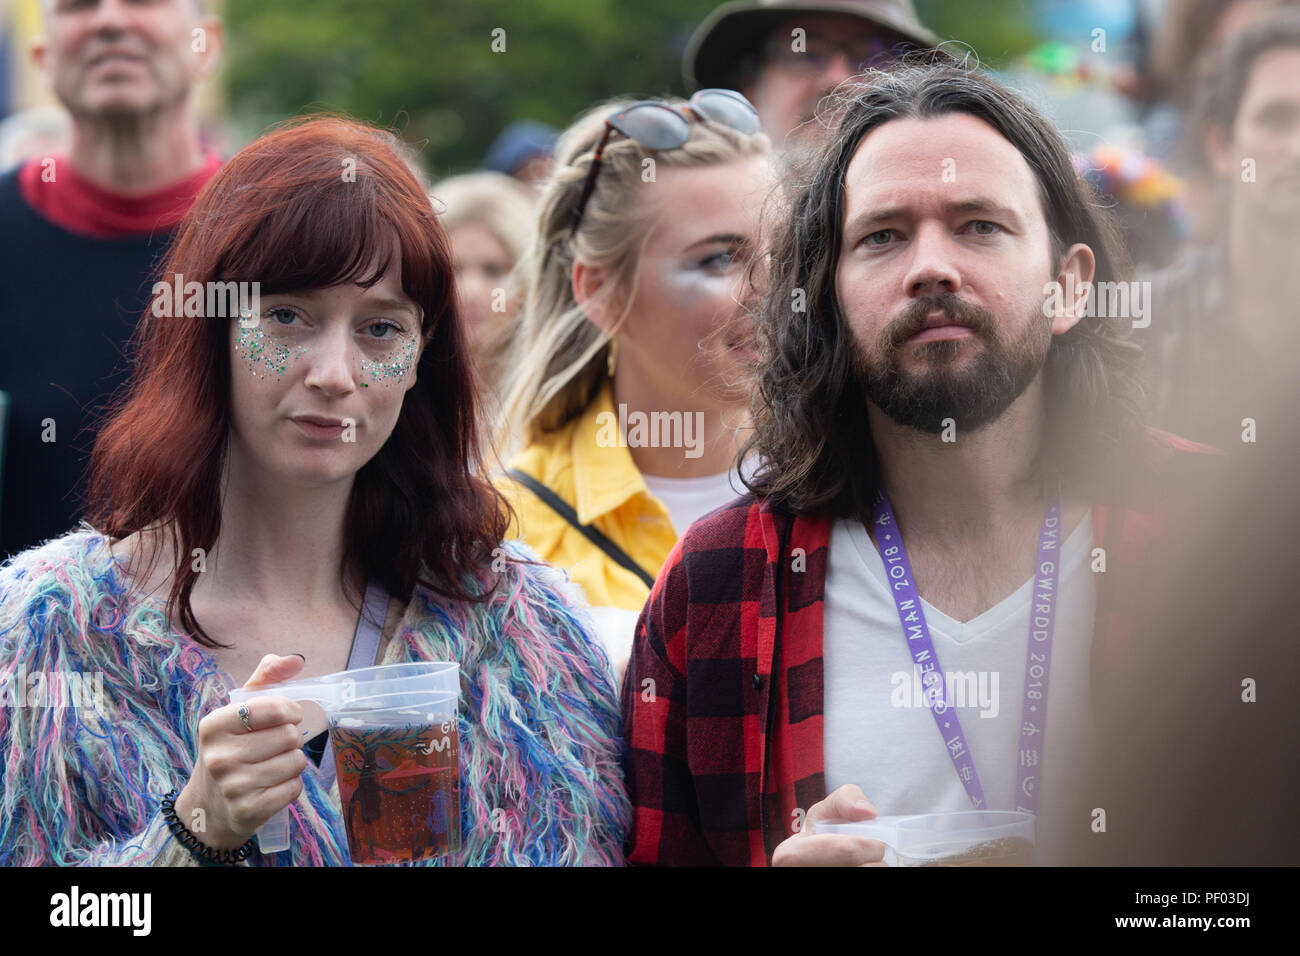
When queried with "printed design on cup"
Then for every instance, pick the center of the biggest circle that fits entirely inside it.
(438, 743)
(399, 787)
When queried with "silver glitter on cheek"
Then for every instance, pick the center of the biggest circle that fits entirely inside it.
(394, 368)
(265, 356)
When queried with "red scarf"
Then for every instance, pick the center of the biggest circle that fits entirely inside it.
(78, 205)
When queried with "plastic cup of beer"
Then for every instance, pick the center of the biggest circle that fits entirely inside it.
(956, 838)
(320, 697)
(398, 769)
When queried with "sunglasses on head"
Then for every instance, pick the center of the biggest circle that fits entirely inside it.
(656, 125)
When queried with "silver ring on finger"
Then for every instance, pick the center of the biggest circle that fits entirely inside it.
(243, 716)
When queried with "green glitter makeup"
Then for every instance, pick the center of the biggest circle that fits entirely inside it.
(393, 369)
(269, 348)
(266, 356)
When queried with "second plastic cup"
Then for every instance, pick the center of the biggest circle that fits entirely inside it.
(398, 761)
(957, 838)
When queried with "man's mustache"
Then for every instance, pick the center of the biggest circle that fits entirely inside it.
(956, 312)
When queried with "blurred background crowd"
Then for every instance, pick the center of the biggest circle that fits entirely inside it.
(487, 85)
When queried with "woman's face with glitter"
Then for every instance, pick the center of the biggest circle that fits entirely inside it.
(317, 383)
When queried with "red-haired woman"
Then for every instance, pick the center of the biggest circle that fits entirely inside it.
(287, 490)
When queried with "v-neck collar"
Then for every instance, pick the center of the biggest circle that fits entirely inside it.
(982, 624)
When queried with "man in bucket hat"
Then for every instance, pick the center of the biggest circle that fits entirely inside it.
(786, 56)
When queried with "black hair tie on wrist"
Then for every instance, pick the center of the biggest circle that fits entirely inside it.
(199, 850)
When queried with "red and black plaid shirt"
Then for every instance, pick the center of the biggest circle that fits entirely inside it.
(722, 699)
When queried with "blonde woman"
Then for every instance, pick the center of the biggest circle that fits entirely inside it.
(489, 220)
(633, 357)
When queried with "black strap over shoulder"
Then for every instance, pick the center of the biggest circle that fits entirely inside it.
(561, 508)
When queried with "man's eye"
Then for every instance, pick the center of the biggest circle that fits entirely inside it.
(879, 238)
(982, 227)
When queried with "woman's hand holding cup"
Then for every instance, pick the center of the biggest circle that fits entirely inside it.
(244, 777)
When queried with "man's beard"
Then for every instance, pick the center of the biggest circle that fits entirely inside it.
(125, 116)
(931, 390)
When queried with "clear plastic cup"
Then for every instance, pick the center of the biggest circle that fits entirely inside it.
(333, 691)
(956, 838)
(392, 678)
(397, 757)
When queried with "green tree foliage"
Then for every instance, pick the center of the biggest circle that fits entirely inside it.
(997, 30)
(428, 67)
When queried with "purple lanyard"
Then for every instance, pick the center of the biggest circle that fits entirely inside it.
(1042, 618)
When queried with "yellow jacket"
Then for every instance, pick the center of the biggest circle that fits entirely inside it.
(605, 488)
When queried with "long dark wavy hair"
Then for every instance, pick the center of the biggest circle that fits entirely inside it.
(811, 428)
(306, 207)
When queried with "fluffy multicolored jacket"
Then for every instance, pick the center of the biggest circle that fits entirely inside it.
(539, 720)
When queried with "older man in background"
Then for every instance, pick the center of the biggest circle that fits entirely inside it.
(785, 57)
(81, 234)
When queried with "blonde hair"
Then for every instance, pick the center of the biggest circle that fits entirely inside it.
(559, 358)
(505, 207)
(502, 204)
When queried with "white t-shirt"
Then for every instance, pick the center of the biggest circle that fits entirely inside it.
(881, 736)
(689, 499)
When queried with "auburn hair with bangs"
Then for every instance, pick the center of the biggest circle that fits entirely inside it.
(317, 202)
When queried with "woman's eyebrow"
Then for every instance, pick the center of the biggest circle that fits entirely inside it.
(719, 238)
(390, 303)
(386, 302)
